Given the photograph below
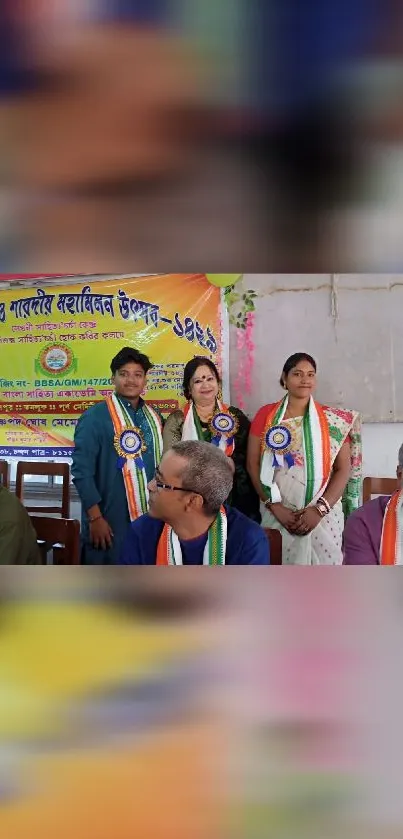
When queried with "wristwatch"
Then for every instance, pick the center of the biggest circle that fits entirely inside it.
(322, 507)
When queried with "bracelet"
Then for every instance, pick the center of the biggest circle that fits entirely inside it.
(322, 507)
(267, 503)
(96, 518)
(325, 503)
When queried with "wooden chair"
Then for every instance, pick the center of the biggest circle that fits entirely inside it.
(61, 536)
(276, 545)
(36, 468)
(4, 473)
(378, 486)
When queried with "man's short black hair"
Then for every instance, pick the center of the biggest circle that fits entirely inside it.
(128, 354)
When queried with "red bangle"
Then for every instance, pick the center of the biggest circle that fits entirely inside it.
(96, 518)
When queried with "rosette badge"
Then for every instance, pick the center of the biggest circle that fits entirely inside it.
(130, 445)
(279, 441)
(223, 425)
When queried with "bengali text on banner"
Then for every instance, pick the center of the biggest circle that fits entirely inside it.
(57, 342)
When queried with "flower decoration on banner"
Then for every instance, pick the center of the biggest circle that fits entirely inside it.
(239, 385)
(250, 351)
(246, 359)
(239, 304)
(241, 310)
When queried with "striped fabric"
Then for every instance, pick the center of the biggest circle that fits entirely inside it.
(324, 432)
(169, 551)
(133, 471)
(391, 552)
(192, 428)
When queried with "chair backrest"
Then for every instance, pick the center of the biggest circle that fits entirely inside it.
(5, 473)
(28, 467)
(62, 536)
(276, 545)
(378, 486)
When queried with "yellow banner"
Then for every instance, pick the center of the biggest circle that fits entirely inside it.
(57, 343)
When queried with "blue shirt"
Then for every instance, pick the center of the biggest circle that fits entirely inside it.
(98, 478)
(247, 543)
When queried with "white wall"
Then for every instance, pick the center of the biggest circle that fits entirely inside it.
(381, 443)
(350, 323)
(302, 312)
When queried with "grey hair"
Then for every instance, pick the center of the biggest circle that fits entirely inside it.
(400, 460)
(207, 472)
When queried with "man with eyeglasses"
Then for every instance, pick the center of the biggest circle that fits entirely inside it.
(188, 522)
(118, 443)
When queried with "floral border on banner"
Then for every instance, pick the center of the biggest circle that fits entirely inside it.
(241, 309)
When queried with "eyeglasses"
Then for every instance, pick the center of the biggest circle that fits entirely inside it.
(161, 485)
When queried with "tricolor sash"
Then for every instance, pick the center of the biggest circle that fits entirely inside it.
(391, 552)
(277, 445)
(324, 432)
(169, 550)
(223, 427)
(129, 445)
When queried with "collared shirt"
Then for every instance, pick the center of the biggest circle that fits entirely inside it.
(18, 544)
(363, 533)
(98, 478)
(247, 543)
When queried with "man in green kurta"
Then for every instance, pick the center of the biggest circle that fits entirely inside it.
(18, 544)
(97, 470)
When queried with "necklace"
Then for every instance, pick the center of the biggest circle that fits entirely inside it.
(205, 418)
